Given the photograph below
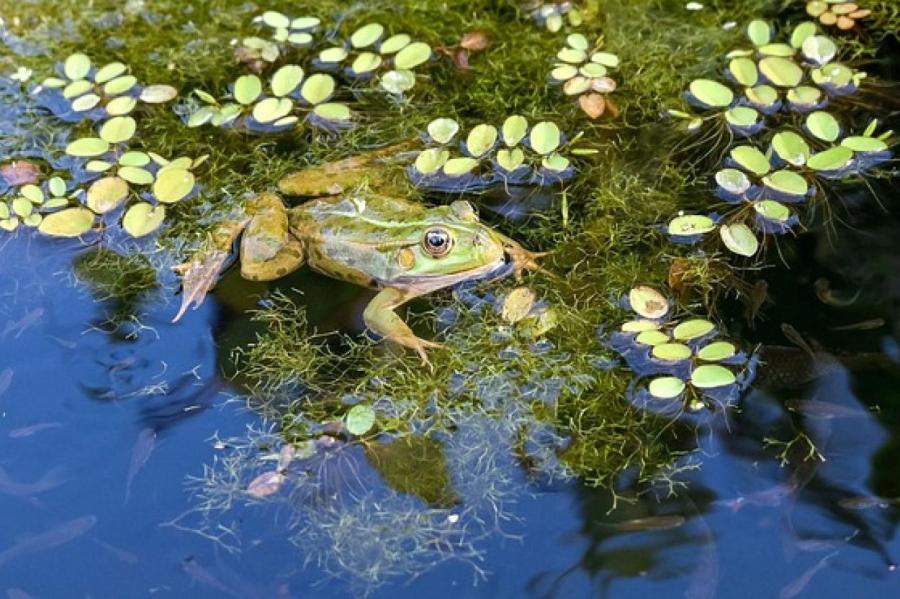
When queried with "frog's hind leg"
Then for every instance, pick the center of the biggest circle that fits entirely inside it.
(380, 317)
(268, 250)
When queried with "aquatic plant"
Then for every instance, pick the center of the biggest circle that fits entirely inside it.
(583, 72)
(283, 33)
(838, 13)
(553, 15)
(28, 204)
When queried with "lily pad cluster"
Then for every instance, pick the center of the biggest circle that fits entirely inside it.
(81, 90)
(837, 13)
(554, 15)
(515, 154)
(275, 106)
(583, 72)
(766, 177)
(681, 365)
(28, 204)
(281, 33)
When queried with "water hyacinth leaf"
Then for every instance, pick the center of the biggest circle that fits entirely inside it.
(430, 160)
(86, 102)
(759, 32)
(823, 125)
(750, 159)
(119, 85)
(733, 181)
(77, 66)
(22, 207)
(638, 326)
(555, 162)
(32, 193)
(863, 144)
(564, 72)
(671, 352)
(412, 56)
(652, 337)
(690, 225)
(801, 32)
(247, 89)
(742, 116)
(87, 147)
(710, 376)
(606, 59)
(143, 218)
(275, 19)
(740, 239)
(158, 94)
(790, 147)
(666, 387)
(711, 93)
(106, 194)
(70, 222)
(456, 167)
(819, 49)
(744, 71)
(317, 88)
(693, 329)
(77, 88)
(781, 72)
(56, 186)
(545, 137)
(832, 159)
(366, 35)
(332, 111)
(442, 130)
(136, 175)
(394, 44)
(272, 109)
(717, 351)
(786, 182)
(118, 129)
(773, 211)
(397, 82)
(173, 184)
(576, 85)
(366, 62)
(648, 302)
(333, 55)
(121, 106)
(571, 55)
(510, 160)
(577, 41)
(360, 419)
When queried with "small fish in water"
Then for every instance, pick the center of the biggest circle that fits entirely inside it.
(829, 297)
(866, 502)
(796, 338)
(50, 480)
(124, 556)
(27, 431)
(23, 323)
(143, 447)
(204, 576)
(766, 498)
(866, 325)
(816, 545)
(6, 377)
(815, 408)
(60, 535)
(797, 587)
(756, 299)
(650, 523)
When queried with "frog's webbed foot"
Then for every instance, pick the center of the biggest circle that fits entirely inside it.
(523, 260)
(268, 250)
(380, 317)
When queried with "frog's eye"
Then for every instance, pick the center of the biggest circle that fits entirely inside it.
(437, 242)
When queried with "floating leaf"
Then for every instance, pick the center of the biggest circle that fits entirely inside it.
(832, 159)
(366, 62)
(517, 304)
(32, 193)
(77, 88)
(143, 218)
(577, 41)
(514, 129)
(790, 147)
(430, 160)
(173, 184)
(120, 106)
(394, 44)
(823, 125)
(564, 72)
(77, 66)
(158, 94)
(108, 72)
(690, 225)
(780, 71)
(759, 32)
(87, 147)
(397, 82)
(717, 351)
(764, 96)
(833, 75)
(70, 222)
(666, 387)
(118, 129)
(733, 181)
(412, 56)
(648, 302)
(786, 182)
(544, 137)
(801, 32)
(272, 109)
(333, 55)
(275, 19)
(742, 116)
(360, 419)
(333, 111)
(22, 207)
(202, 116)
(134, 158)
(317, 88)
(862, 144)
(571, 55)
(119, 85)
(671, 352)
(750, 159)
(106, 194)
(593, 69)
(711, 93)
(135, 175)
(97, 166)
(652, 337)
(773, 211)
(481, 139)
(693, 329)
(740, 239)
(709, 376)
(819, 49)
(555, 162)
(744, 71)
(442, 130)
(606, 59)
(456, 167)
(366, 35)
(247, 89)
(56, 186)
(576, 85)
(510, 160)
(804, 96)
(86, 102)
(638, 326)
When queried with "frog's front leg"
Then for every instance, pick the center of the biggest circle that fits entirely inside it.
(380, 317)
(268, 250)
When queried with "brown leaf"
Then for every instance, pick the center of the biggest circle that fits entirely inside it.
(611, 108)
(20, 172)
(200, 275)
(267, 483)
(845, 23)
(592, 104)
(476, 41)
(461, 60)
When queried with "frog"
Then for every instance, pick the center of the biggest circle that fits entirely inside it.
(401, 248)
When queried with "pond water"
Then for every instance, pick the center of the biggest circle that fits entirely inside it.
(130, 445)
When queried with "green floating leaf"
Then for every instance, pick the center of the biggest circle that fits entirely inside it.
(744, 71)
(563, 72)
(456, 167)
(481, 139)
(272, 109)
(709, 376)
(57, 186)
(823, 125)
(514, 128)
(119, 85)
(652, 337)
(360, 420)
(109, 72)
(832, 159)
(759, 32)
(32, 193)
(397, 82)
(118, 129)
(98, 166)
(87, 147)
(781, 72)
(834, 74)
(412, 56)
(786, 182)
(510, 160)
(693, 329)
(286, 79)
(764, 96)
(639, 326)
(134, 158)
(430, 160)
(77, 88)
(773, 211)
(70, 222)
(106, 194)
(317, 88)
(305, 23)
(332, 111)
(77, 66)
(366, 62)
(555, 162)
(247, 89)
(545, 137)
(202, 116)
(690, 225)
(863, 144)
(136, 175)
(801, 32)
(394, 44)
(158, 94)
(333, 55)
(576, 85)
(717, 351)
(571, 55)
(742, 116)
(275, 19)
(791, 148)
(366, 35)
(577, 41)
(606, 59)
(782, 50)
(711, 93)
(671, 352)
(143, 218)
(666, 387)
(804, 95)
(740, 239)
(750, 159)
(733, 181)
(593, 70)
(442, 130)
(22, 207)
(33, 220)
(173, 184)
(819, 49)
(86, 102)
(120, 106)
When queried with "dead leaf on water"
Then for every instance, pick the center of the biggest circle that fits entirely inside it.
(517, 305)
(267, 483)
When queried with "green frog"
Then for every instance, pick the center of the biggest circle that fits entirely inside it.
(403, 249)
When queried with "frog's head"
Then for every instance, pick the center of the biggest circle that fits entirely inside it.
(447, 247)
